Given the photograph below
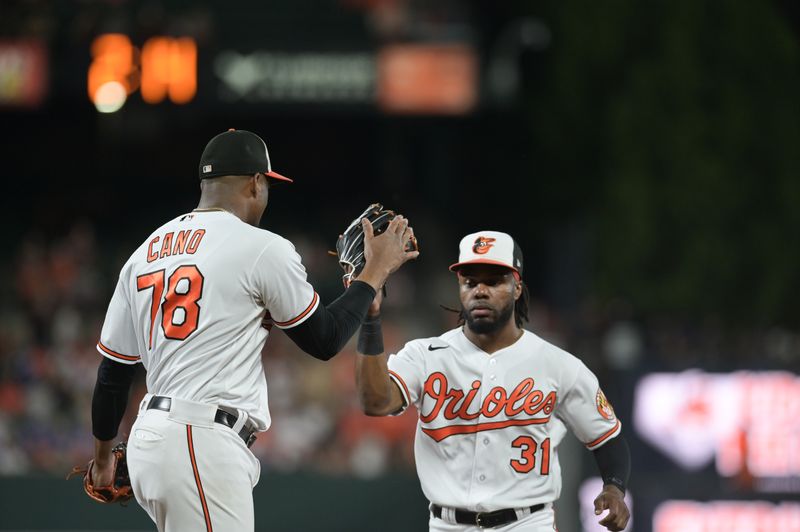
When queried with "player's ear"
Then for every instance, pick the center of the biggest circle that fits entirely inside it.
(252, 185)
(517, 287)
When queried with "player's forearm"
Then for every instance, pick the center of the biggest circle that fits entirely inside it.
(372, 372)
(379, 396)
(614, 462)
(329, 328)
(102, 452)
(375, 388)
(110, 398)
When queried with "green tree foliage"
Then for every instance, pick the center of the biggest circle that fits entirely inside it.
(677, 125)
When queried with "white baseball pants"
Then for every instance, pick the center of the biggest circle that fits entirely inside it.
(190, 473)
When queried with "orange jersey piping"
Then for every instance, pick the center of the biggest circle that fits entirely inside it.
(309, 308)
(404, 390)
(114, 354)
(604, 437)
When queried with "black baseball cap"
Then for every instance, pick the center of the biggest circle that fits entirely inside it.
(237, 152)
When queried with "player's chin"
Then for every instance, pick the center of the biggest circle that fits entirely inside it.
(482, 325)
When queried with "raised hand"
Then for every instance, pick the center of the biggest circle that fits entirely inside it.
(385, 253)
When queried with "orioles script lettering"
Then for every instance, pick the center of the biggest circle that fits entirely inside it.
(453, 404)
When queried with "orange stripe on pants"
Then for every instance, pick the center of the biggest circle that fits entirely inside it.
(197, 479)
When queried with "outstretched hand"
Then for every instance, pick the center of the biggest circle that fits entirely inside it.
(386, 252)
(613, 500)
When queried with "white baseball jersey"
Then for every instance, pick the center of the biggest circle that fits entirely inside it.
(193, 304)
(490, 424)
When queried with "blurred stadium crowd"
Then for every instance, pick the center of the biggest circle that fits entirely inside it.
(54, 302)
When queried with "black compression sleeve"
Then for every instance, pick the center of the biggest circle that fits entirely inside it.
(110, 397)
(370, 337)
(329, 328)
(614, 461)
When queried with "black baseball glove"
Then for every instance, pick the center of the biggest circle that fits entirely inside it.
(350, 246)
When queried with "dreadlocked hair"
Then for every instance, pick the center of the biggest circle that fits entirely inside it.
(520, 308)
(521, 305)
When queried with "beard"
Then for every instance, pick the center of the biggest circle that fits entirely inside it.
(489, 324)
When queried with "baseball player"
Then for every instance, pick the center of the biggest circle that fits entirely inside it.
(194, 305)
(494, 402)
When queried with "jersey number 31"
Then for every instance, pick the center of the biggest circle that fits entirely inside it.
(527, 460)
(180, 311)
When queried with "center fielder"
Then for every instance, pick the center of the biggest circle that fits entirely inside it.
(494, 402)
(194, 305)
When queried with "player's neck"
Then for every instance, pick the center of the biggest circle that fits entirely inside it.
(496, 340)
(207, 204)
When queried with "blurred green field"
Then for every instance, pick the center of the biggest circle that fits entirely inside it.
(283, 503)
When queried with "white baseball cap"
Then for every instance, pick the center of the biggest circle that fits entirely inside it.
(489, 247)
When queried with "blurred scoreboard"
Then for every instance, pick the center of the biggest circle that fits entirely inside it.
(436, 78)
(164, 68)
(24, 69)
(727, 516)
(747, 424)
(734, 442)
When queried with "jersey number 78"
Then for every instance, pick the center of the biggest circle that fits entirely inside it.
(180, 310)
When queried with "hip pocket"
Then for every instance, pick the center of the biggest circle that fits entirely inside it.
(145, 437)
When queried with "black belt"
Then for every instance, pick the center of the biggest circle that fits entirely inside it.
(484, 519)
(223, 417)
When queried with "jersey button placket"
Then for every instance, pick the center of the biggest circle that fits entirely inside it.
(482, 440)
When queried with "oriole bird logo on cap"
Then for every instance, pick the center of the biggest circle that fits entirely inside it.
(482, 245)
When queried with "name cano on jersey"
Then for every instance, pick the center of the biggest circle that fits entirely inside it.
(186, 242)
(452, 404)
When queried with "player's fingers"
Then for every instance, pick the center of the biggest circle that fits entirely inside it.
(392, 224)
(622, 517)
(400, 224)
(369, 232)
(608, 521)
(408, 238)
(617, 517)
(600, 504)
(401, 230)
(411, 255)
